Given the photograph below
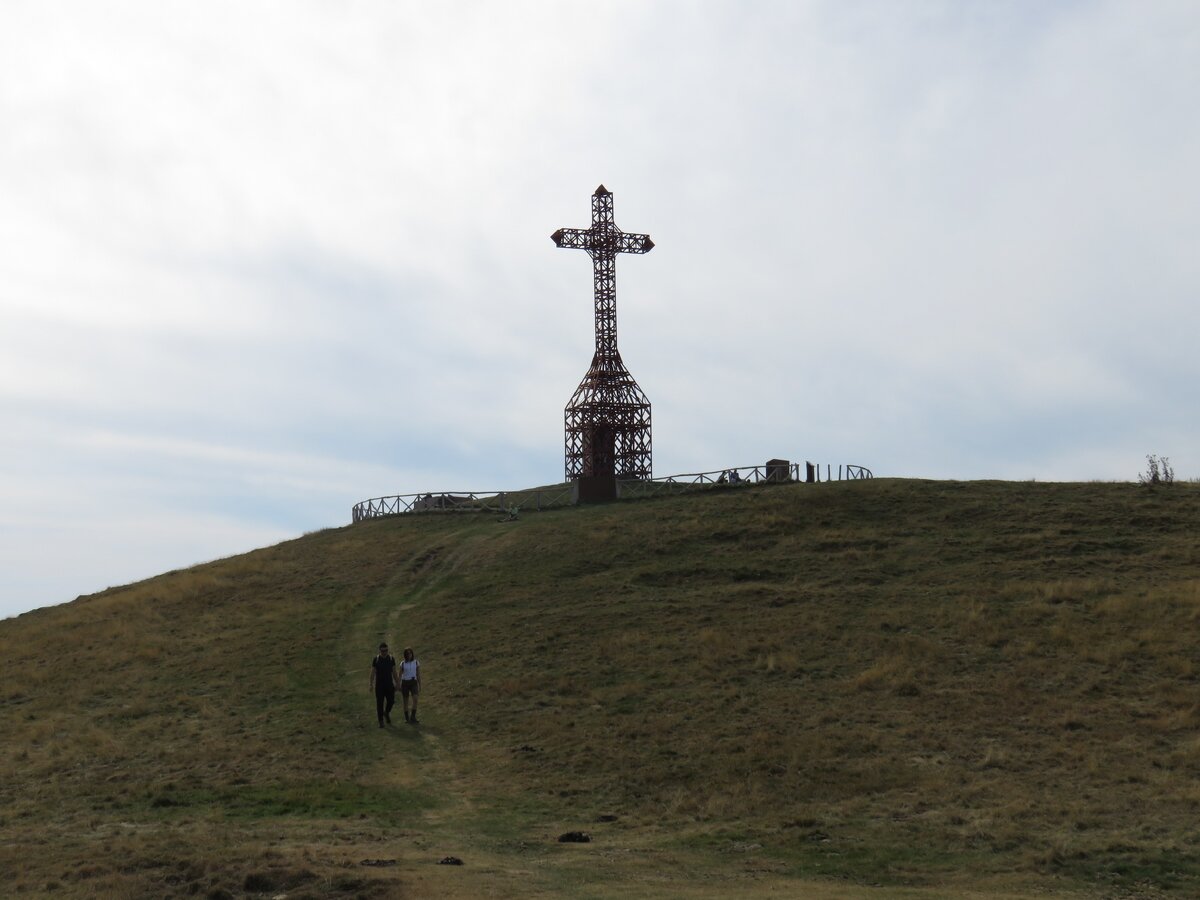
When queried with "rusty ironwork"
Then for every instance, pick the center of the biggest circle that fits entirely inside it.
(607, 420)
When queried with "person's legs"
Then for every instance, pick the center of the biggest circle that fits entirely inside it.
(380, 696)
(391, 701)
(409, 689)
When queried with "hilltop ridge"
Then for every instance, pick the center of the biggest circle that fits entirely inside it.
(854, 688)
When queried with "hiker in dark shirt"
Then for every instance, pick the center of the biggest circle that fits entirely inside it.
(384, 681)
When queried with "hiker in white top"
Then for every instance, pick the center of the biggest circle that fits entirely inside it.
(410, 683)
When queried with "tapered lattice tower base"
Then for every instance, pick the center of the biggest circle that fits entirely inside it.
(608, 424)
(607, 420)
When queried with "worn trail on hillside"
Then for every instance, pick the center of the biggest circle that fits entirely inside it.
(419, 751)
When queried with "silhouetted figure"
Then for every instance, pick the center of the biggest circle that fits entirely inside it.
(384, 680)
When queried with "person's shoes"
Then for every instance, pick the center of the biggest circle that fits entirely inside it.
(381, 723)
(413, 719)
(388, 716)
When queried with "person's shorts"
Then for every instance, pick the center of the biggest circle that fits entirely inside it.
(409, 687)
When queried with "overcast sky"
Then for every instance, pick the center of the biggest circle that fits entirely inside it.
(260, 261)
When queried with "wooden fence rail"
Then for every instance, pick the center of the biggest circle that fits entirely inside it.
(464, 501)
(509, 503)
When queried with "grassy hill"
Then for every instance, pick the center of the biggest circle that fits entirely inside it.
(854, 690)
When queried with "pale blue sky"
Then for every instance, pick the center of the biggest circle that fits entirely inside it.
(262, 260)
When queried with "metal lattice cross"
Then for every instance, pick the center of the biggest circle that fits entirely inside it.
(603, 241)
(607, 421)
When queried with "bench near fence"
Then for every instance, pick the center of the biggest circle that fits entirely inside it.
(561, 495)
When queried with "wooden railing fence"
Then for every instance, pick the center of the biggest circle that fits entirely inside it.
(510, 503)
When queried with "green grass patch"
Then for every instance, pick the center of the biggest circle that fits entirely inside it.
(933, 687)
(313, 800)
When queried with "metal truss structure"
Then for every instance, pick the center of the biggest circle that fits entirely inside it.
(607, 419)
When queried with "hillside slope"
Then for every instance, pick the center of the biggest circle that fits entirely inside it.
(936, 688)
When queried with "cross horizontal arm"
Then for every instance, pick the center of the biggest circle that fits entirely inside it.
(585, 239)
(573, 238)
(634, 243)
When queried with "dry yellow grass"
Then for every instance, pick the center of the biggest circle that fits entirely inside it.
(889, 689)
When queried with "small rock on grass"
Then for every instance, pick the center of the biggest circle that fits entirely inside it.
(575, 837)
(450, 861)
